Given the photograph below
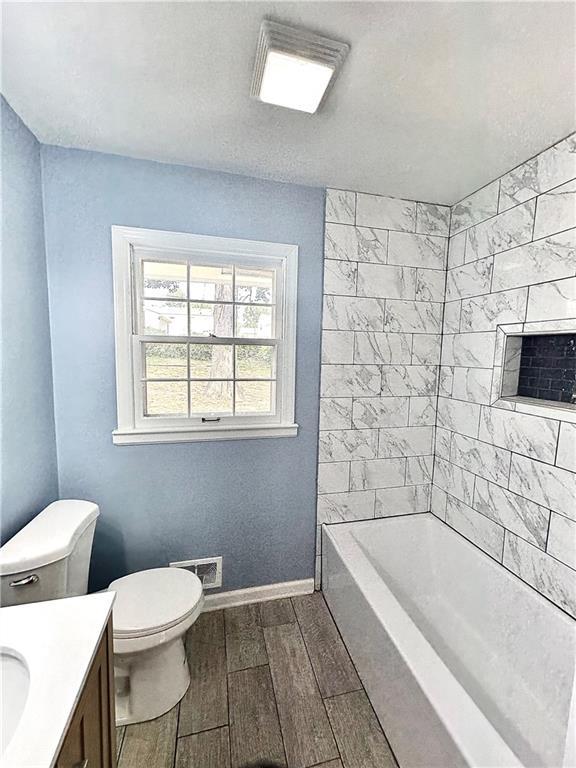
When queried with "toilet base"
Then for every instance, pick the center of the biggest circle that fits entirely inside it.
(149, 683)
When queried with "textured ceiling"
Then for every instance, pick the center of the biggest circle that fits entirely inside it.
(435, 99)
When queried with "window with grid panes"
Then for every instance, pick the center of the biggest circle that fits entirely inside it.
(211, 326)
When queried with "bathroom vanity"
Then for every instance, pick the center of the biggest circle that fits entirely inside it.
(57, 695)
(90, 738)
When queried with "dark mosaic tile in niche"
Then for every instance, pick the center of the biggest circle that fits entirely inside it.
(548, 367)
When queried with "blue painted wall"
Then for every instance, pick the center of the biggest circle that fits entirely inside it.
(252, 501)
(29, 477)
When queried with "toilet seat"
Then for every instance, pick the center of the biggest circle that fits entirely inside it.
(152, 601)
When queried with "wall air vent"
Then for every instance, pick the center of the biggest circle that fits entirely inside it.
(208, 570)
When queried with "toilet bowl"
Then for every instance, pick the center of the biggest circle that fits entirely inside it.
(152, 612)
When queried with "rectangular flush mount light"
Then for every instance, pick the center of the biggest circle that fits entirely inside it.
(295, 68)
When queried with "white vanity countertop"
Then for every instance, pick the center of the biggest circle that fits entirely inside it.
(58, 640)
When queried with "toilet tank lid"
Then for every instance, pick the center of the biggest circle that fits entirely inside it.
(48, 537)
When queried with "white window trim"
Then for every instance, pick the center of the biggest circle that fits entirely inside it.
(124, 239)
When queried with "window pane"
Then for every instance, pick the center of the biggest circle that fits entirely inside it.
(254, 396)
(165, 361)
(166, 398)
(255, 285)
(211, 283)
(211, 361)
(255, 361)
(210, 318)
(165, 318)
(254, 322)
(208, 397)
(164, 279)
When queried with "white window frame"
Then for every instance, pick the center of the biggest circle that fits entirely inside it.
(136, 428)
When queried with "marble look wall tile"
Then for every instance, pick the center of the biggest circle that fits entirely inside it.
(454, 480)
(385, 212)
(457, 250)
(410, 250)
(553, 579)
(422, 411)
(484, 313)
(343, 507)
(438, 501)
(419, 470)
(566, 457)
(562, 539)
(482, 459)
(402, 380)
(475, 208)
(452, 316)
(379, 473)
(548, 486)
(340, 277)
(386, 282)
(347, 243)
(340, 242)
(349, 380)
(405, 441)
(480, 530)
(529, 435)
(517, 514)
(552, 301)
(334, 477)
(556, 210)
(472, 279)
(501, 232)
(445, 380)
(374, 412)
(549, 326)
(549, 169)
(458, 416)
(380, 348)
(470, 350)
(413, 317)
(338, 347)
(426, 348)
(402, 501)
(430, 285)
(335, 412)
(443, 438)
(348, 445)
(472, 384)
(432, 219)
(345, 313)
(552, 258)
(340, 206)
(372, 245)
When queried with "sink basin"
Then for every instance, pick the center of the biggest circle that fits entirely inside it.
(14, 686)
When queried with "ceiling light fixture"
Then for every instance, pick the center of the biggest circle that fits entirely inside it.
(295, 68)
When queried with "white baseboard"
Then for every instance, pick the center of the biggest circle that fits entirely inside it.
(258, 594)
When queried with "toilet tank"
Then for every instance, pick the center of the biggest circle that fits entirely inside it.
(49, 557)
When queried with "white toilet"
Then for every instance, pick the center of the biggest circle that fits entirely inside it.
(50, 558)
(152, 612)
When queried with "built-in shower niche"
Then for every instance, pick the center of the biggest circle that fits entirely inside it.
(540, 368)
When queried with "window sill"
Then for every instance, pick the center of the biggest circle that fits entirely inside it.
(150, 436)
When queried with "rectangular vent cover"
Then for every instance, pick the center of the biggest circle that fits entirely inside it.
(208, 570)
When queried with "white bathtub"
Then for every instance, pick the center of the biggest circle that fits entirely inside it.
(465, 665)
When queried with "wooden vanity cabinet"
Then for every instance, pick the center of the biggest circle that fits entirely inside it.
(90, 741)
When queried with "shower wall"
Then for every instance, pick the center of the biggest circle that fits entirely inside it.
(505, 471)
(384, 282)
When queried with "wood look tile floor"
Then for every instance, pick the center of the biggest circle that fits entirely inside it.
(270, 683)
